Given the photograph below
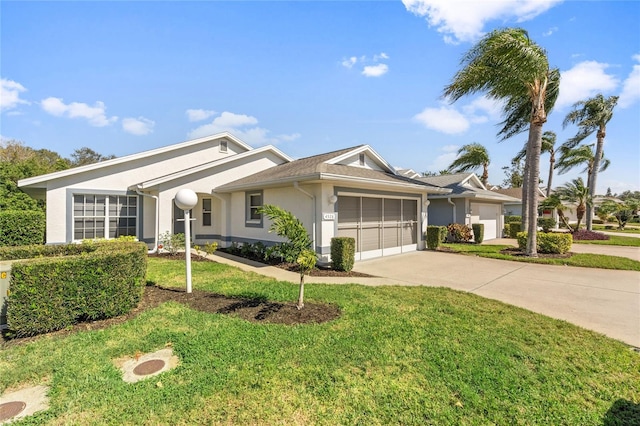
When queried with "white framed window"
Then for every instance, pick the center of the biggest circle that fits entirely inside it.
(206, 212)
(104, 216)
(253, 202)
(224, 147)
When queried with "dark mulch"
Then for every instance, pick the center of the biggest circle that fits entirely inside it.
(258, 310)
(514, 251)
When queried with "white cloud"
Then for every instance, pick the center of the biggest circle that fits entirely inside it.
(483, 109)
(375, 70)
(631, 87)
(379, 56)
(240, 125)
(550, 31)
(444, 119)
(463, 20)
(10, 94)
(583, 81)
(199, 114)
(138, 126)
(95, 115)
(442, 161)
(349, 63)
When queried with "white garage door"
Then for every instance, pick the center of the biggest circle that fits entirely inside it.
(489, 215)
(380, 226)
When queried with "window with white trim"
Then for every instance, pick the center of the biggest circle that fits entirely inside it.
(206, 212)
(104, 216)
(253, 201)
(224, 146)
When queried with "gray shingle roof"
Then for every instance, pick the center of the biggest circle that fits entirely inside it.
(314, 168)
(454, 183)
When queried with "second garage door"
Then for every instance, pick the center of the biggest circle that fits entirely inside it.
(489, 215)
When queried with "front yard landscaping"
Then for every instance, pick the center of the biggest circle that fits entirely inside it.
(392, 355)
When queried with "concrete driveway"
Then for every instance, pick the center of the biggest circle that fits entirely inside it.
(605, 301)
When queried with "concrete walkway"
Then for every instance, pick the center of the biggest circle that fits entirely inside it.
(602, 300)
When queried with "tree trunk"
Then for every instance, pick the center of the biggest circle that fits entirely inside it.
(300, 304)
(533, 148)
(552, 162)
(525, 187)
(485, 174)
(594, 174)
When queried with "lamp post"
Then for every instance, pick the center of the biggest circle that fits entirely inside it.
(186, 199)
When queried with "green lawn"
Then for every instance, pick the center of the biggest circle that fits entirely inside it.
(629, 229)
(578, 259)
(614, 240)
(397, 355)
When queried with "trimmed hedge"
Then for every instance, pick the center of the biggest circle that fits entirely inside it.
(104, 280)
(29, 252)
(435, 236)
(19, 227)
(478, 232)
(343, 253)
(546, 223)
(512, 218)
(514, 228)
(552, 243)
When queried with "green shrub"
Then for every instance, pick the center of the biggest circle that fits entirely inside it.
(50, 293)
(514, 228)
(512, 218)
(343, 253)
(478, 232)
(457, 233)
(551, 243)
(435, 235)
(507, 230)
(546, 223)
(172, 243)
(21, 227)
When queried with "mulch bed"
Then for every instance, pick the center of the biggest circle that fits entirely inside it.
(258, 310)
(514, 251)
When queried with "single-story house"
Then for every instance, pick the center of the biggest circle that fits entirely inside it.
(351, 192)
(514, 208)
(468, 202)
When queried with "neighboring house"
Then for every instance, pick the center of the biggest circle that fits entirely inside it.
(469, 202)
(515, 208)
(351, 192)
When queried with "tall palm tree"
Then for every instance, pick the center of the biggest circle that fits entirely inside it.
(548, 145)
(472, 156)
(576, 192)
(591, 115)
(508, 66)
(582, 155)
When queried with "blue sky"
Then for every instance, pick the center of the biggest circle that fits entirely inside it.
(307, 77)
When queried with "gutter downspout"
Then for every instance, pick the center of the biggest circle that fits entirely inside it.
(313, 197)
(454, 209)
(157, 224)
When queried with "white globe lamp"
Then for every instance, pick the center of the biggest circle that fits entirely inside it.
(186, 199)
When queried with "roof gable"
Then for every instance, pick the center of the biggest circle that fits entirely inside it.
(352, 157)
(39, 181)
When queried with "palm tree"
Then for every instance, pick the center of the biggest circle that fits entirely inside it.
(508, 66)
(583, 155)
(554, 202)
(591, 115)
(472, 156)
(577, 193)
(548, 145)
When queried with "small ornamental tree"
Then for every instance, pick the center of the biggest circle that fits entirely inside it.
(286, 225)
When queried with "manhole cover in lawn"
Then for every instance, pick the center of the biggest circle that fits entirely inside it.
(11, 409)
(149, 367)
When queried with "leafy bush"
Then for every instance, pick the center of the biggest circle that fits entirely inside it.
(435, 235)
(478, 232)
(343, 253)
(551, 243)
(36, 250)
(546, 223)
(172, 242)
(51, 293)
(584, 234)
(457, 233)
(514, 228)
(506, 232)
(22, 227)
(512, 218)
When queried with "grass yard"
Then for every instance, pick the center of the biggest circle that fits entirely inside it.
(396, 355)
(629, 229)
(577, 259)
(614, 240)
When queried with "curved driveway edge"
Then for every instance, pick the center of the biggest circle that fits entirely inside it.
(602, 300)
